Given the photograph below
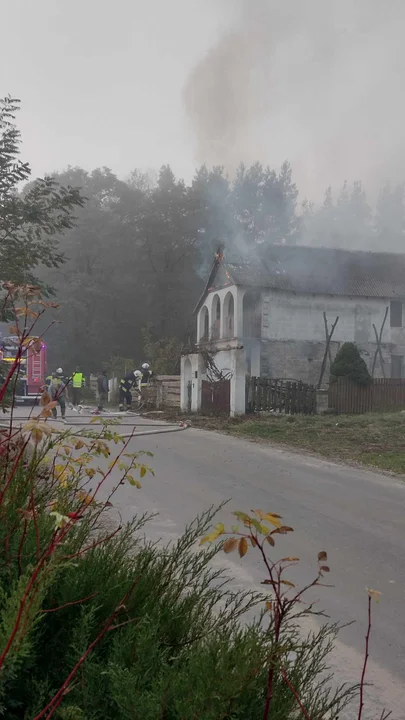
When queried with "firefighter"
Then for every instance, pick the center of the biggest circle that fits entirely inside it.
(57, 391)
(102, 391)
(126, 384)
(146, 374)
(78, 382)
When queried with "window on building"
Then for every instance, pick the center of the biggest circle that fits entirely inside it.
(396, 313)
(397, 366)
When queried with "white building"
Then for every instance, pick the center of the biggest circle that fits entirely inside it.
(264, 315)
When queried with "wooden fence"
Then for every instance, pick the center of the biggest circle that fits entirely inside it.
(164, 391)
(283, 396)
(382, 395)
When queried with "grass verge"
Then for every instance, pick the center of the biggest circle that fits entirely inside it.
(375, 440)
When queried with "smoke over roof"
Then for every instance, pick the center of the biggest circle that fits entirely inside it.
(326, 271)
(317, 82)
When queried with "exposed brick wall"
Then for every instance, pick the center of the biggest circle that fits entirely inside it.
(302, 359)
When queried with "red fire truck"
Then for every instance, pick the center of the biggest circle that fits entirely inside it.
(33, 367)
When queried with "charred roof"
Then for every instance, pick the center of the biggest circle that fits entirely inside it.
(316, 270)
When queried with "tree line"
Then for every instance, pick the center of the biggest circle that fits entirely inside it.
(126, 260)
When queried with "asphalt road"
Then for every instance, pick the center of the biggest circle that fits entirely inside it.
(357, 516)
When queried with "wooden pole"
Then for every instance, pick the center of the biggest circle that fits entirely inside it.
(327, 348)
(378, 351)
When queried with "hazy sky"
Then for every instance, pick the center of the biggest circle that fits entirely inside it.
(101, 80)
(130, 83)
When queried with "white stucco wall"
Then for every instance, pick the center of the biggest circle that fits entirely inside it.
(237, 293)
(193, 371)
(289, 316)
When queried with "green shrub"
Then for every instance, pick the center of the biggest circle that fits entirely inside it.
(348, 363)
(174, 656)
(98, 624)
(163, 354)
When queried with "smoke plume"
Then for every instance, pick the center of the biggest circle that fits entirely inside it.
(317, 82)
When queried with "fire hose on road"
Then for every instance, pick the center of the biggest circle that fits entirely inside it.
(155, 429)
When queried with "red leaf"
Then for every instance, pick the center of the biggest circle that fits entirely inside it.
(74, 516)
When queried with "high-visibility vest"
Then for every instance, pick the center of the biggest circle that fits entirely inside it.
(77, 379)
(146, 376)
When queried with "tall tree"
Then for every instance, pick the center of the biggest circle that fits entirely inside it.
(167, 255)
(30, 221)
(97, 286)
(264, 204)
(345, 224)
(389, 219)
(211, 219)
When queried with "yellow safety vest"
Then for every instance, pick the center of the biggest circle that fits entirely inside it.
(78, 379)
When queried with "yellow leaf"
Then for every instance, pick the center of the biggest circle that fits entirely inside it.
(290, 559)
(269, 605)
(272, 519)
(67, 449)
(60, 520)
(241, 516)
(37, 345)
(90, 472)
(36, 435)
(230, 545)
(375, 594)
(29, 425)
(79, 445)
(45, 413)
(220, 528)
(44, 428)
(142, 471)
(262, 529)
(46, 400)
(283, 530)
(243, 547)
(63, 480)
(133, 481)
(85, 497)
(287, 582)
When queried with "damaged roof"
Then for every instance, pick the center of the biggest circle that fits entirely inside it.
(316, 270)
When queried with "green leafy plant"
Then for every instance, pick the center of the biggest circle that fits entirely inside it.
(95, 622)
(29, 220)
(348, 363)
(164, 354)
(286, 605)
